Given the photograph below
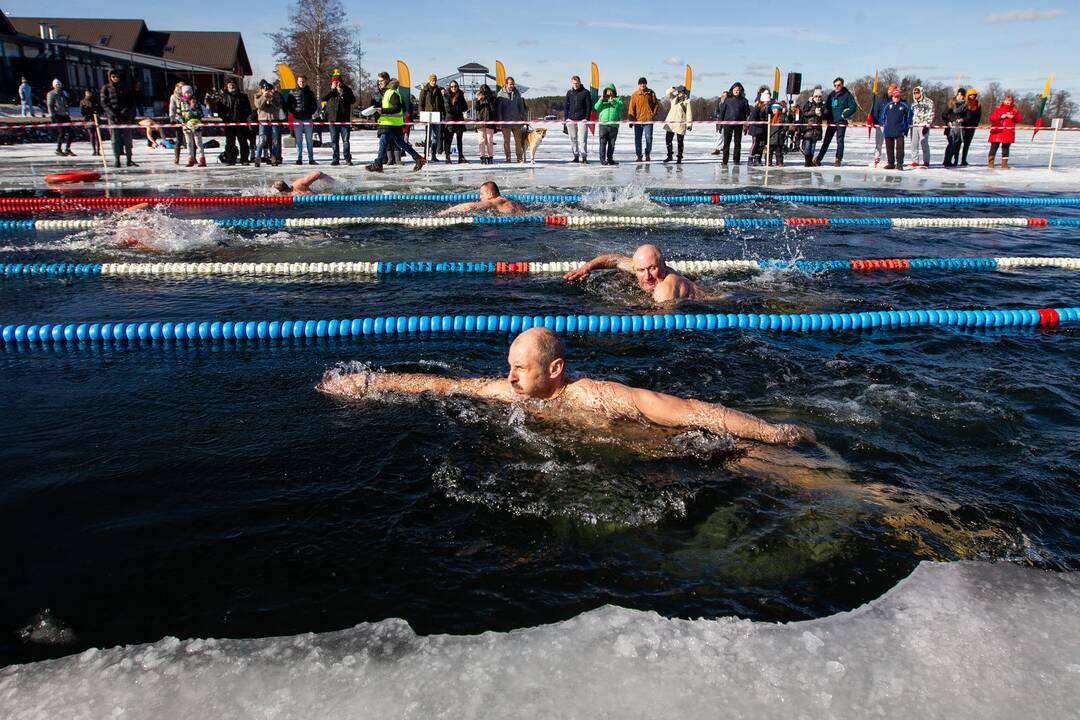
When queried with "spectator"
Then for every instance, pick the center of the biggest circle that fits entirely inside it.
(268, 108)
(392, 122)
(382, 86)
(895, 119)
(56, 102)
(970, 121)
(953, 116)
(719, 128)
(922, 110)
(191, 116)
(26, 98)
(609, 112)
(510, 108)
(119, 104)
(814, 114)
(90, 108)
(841, 107)
(486, 112)
(779, 117)
(176, 107)
(879, 136)
(1003, 122)
(758, 130)
(233, 107)
(339, 100)
(456, 108)
(303, 106)
(641, 114)
(576, 109)
(678, 121)
(431, 100)
(735, 112)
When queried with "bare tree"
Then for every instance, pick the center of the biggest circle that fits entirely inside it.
(316, 40)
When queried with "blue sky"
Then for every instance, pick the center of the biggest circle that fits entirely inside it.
(542, 44)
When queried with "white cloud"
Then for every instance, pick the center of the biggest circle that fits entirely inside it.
(673, 60)
(1029, 15)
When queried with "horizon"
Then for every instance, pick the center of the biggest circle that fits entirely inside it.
(626, 46)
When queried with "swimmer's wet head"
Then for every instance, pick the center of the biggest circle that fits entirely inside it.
(280, 186)
(489, 191)
(649, 267)
(537, 364)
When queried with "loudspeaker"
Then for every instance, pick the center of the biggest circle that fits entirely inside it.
(794, 83)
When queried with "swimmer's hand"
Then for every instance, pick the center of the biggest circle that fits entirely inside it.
(791, 434)
(580, 274)
(336, 382)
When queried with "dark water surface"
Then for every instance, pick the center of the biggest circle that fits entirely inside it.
(207, 490)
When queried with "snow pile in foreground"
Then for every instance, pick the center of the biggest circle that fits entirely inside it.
(959, 641)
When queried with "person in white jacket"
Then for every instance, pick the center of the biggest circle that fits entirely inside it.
(922, 108)
(678, 122)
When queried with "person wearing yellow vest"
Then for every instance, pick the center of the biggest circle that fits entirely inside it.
(391, 114)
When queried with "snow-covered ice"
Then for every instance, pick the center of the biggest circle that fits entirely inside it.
(961, 640)
(24, 167)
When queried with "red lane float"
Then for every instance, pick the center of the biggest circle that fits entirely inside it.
(881, 264)
(95, 203)
(72, 177)
(806, 221)
(1048, 316)
(1036, 222)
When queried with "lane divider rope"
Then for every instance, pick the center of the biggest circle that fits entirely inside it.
(59, 204)
(565, 220)
(521, 267)
(62, 333)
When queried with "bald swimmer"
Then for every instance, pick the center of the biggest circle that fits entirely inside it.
(653, 275)
(537, 381)
(491, 199)
(300, 185)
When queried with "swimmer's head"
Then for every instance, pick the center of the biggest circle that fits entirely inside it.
(489, 191)
(536, 363)
(280, 186)
(649, 267)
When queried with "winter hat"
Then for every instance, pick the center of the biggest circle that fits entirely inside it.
(335, 74)
(186, 91)
(56, 83)
(682, 89)
(817, 92)
(972, 91)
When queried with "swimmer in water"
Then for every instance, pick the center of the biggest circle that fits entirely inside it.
(299, 186)
(537, 382)
(135, 236)
(490, 200)
(653, 275)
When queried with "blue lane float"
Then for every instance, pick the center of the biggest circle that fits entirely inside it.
(262, 330)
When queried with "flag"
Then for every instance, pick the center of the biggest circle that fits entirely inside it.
(1042, 106)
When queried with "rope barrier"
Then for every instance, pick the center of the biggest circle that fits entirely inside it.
(522, 267)
(63, 333)
(570, 221)
(59, 204)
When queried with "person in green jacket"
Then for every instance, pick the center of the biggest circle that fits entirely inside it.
(609, 111)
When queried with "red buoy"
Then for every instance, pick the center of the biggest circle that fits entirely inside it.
(71, 177)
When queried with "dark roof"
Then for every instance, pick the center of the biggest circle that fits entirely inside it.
(118, 34)
(472, 68)
(223, 50)
(6, 28)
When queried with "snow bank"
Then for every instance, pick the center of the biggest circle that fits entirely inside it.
(955, 641)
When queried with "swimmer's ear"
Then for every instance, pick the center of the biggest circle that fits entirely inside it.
(555, 369)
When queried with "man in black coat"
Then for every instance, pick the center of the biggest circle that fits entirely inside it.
(303, 105)
(339, 101)
(118, 102)
(233, 106)
(734, 112)
(576, 111)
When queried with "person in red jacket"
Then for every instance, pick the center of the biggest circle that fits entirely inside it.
(1003, 122)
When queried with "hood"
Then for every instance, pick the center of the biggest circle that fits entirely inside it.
(611, 87)
(393, 84)
(742, 90)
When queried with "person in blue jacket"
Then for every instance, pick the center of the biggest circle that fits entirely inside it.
(895, 119)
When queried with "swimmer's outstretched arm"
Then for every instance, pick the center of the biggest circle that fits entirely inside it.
(362, 383)
(613, 261)
(304, 183)
(463, 208)
(671, 411)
